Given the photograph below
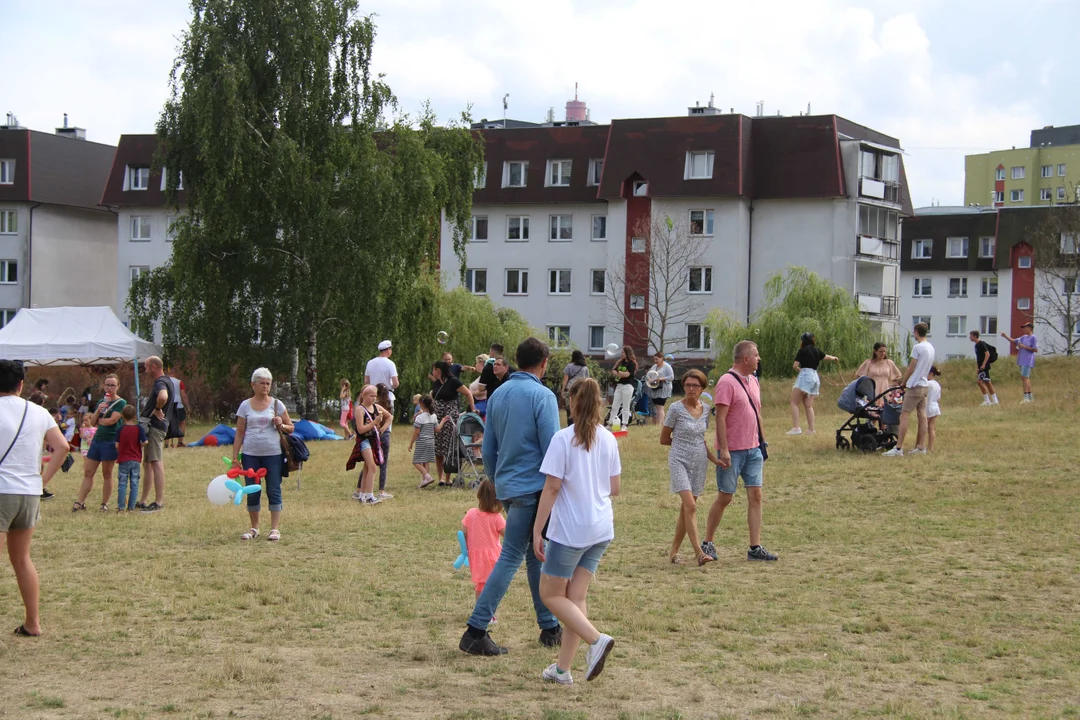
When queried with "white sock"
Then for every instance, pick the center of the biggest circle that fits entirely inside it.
(994, 399)
(986, 398)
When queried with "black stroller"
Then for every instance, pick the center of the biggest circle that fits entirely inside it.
(870, 427)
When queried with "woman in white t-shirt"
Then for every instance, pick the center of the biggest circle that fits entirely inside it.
(582, 467)
(24, 427)
(259, 422)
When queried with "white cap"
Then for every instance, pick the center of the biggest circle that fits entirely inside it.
(385, 345)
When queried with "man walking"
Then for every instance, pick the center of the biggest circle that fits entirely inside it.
(1026, 347)
(983, 359)
(382, 369)
(522, 417)
(739, 441)
(153, 415)
(917, 387)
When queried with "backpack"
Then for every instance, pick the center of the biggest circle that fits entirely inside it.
(172, 412)
(993, 354)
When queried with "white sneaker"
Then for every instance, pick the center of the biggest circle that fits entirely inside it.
(987, 402)
(596, 656)
(917, 451)
(895, 452)
(795, 431)
(370, 500)
(383, 495)
(551, 674)
(358, 495)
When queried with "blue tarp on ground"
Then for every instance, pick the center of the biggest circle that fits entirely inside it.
(307, 430)
(225, 436)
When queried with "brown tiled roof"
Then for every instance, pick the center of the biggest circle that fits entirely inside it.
(135, 151)
(56, 170)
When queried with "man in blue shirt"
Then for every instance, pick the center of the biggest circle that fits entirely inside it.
(522, 417)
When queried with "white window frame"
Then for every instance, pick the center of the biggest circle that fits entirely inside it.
(7, 171)
(595, 237)
(1061, 169)
(708, 222)
(1069, 286)
(989, 287)
(999, 196)
(1018, 173)
(170, 231)
(555, 279)
(1070, 243)
(698, 336)
(706, 158)
(637, 302)
(916, 319)
(1023, 303)
(136, 271)
(592, 281)
(556, 228)
(7, 268)
(1061, 193)
(1023, 262)
(592, 345)
(925, 245)
(522, 223)
(962, 287)
(999, 174)
(924, 287)
(9, 222)
(474, 224)
(471, 275)
(140, 223)
(1047, 171)
(480, 181)
(987, 242)
(950, 249)
(507, 165)
(637, 244)
(1016, 196)
(522, 282)
(138, 177)
(557, 338)
(705, 278)
(1044, 194)
(640, 188)
(165, 174)
(596, 172)
(961, 326)
(558, 172)
(7, 315)
(985, 325)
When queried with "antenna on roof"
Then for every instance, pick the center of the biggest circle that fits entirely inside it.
(807, 108)
(505, 105)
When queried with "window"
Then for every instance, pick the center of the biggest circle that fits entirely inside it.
(923, 287)
(9, 222)
(165, 176)
(1061, 193)
(6, 316)
(986, 247)
(1061, 170)
(599, 227)
(999, 174)
(956, 247)
(514, 173)
(999, 196)
(1024, 262)
(599, 282)
(1069, 286)
(921, 249)
(699, 164)
(637, 244)
(1016, 195)
(697, 337)
(596, 170)
(878, 222)
(958, 287)
(988, 325)
(559, 335)
(517, 228)
(957, 325)
(1047, 171)
(9, 272)
(989, 287)
(1018, 173)
(879, 166)
(476, 281)
(138, 178)
(637, 302)
(924, 319)
(137, 271)
(596, 337)
(700, 280)
(562, 227)
(1023, 303)
(479, 229)
(481, 177)
(641, 188)
(701, 222)
(517, 282)
(7, 173)
(558, 282)
(170, 228)
(559, 172)
(1044, 194)
(140, 227)
(1068, 243)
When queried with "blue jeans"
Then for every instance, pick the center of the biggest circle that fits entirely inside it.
(271, 483)
(127, 488)
(517, 546)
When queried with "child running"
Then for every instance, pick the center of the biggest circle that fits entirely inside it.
(933, 409)
(582, 468)
(483, 525)
(425, 425)
(129, 444)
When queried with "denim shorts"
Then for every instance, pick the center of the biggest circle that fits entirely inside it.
(102, 451)
(365, 445)
(561, 560)
(808, 381)
(1025, 371)
(747, 463)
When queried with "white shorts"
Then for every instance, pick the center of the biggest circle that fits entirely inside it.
(808, 381)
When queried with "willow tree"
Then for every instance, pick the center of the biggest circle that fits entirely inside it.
(797, 302)
(306, 207)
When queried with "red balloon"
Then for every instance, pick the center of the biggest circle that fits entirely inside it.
(210, 441)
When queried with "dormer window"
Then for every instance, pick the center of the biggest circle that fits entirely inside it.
(641, 188)
(596, 170)
(514, 173)
(165, 174)
(7, 172)
(699, 164)
(138, 178)
(559, 172)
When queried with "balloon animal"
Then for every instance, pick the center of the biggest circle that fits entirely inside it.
(463, 558)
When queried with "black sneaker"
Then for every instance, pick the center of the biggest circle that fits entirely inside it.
(140, 506)
(551, 637)
(709, 549)
(154, 507)
(482, 645)
(46, 495)
(760, 553)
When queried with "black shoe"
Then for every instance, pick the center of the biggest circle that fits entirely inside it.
(140, 506)
(760, 553)
(709, 549)
(551, 637)
(46, 495)
(151, 508)
(482, 645)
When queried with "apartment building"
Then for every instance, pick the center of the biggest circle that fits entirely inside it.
(559, 208)
(1045, 173)
(57, 245)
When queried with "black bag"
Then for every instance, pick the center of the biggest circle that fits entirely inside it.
(172, 412)
(762, 445)
(993, 353)
(68, 462)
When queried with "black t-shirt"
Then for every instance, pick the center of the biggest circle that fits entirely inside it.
(627, 366)
(162, 383)
(809, 357)
(487, 377)
(447, 390)
(455, 370)
(981, 351)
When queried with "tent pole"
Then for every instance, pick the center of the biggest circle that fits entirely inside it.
(136, 362)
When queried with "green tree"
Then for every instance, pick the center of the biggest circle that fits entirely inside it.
(800, 301)
(308, 215)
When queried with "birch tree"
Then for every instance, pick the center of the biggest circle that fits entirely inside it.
(1056, 307)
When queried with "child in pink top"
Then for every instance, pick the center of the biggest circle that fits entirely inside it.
(484, 525)
(86, 434)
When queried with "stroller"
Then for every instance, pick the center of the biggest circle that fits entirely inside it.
(869, 428)
(469, 462)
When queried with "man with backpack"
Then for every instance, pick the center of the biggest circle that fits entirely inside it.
(985, 356)
(154, 418)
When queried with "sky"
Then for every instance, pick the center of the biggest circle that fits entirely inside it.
(947, 77)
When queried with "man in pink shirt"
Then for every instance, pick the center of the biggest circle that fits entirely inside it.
(739, 437)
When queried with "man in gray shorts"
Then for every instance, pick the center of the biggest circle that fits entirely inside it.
(916, 387)
(153, 416)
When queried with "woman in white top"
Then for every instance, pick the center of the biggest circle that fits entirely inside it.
(933, 407)
(660, 394)
(23, 428)
(583, 469)
(259, 423)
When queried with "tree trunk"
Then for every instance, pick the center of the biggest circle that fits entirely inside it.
(294, 383)
(311, 405)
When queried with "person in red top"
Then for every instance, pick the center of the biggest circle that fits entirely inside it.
(739, 440)
(129, 445)
(484, 525)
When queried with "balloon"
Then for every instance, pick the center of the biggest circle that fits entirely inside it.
(707, 397)
(652, 379)
(669, 356)
(216, 491)
(443, 337)
(210, 441)
(463, 558)
(239, 491)
(612, 351)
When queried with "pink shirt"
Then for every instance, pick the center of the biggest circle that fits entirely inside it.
(741, 422)
(482, 539)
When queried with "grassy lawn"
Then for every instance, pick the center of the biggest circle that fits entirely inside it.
(938, 586)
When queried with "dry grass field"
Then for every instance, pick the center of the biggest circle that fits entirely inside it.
(939, 586)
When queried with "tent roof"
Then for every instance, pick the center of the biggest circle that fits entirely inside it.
(71, 336)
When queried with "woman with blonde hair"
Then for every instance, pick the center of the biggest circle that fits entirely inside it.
(345, 398)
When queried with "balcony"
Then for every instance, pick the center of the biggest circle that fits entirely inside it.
(884, 191)
(878, 305)
(877, 250)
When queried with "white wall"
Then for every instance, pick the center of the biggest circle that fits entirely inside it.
(940, 306)
(74, 257)
(13, 247)
(151, 253)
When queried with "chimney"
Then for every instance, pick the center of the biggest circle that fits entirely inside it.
(75, 133)
(575, 109)
(12, 122)
(711, 109)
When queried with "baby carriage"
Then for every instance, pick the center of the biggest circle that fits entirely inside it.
(470, 462)
(869, 428)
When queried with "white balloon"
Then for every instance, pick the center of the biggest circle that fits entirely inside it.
(443, 337)
(707, 397)
(612, 350)
(217, 493)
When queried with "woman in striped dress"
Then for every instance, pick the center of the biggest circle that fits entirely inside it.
(445, 389)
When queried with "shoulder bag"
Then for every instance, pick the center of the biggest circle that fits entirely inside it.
(762, 445)
(283, 439)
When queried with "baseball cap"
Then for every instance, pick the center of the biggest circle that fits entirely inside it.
(1027, 325)
(385, 345)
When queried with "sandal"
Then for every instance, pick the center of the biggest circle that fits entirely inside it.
(104, 507)
(22, 632)
(251, 534)
(703, 558)
(77, 506)
(274, 535)
(676, 560)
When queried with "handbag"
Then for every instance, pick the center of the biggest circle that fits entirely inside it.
(283, 440)
(762, 445)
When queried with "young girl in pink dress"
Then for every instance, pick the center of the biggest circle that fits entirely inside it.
(484, 525)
